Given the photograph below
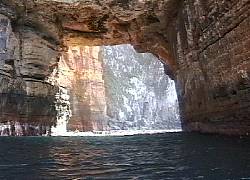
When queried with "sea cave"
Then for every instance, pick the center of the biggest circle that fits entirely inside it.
(97, 67)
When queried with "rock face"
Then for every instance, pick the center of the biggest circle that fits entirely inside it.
(211, 47)
(203, 43)
(139, 94)
(104, 22)
(113, 88)
(27, 101)
(80, 72)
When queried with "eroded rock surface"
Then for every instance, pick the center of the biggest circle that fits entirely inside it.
(27, 100)
(212, 51)
(139, 94)
(80, 72)
(103, 22)
(34, 32)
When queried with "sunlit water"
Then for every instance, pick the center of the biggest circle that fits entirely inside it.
(159, 156)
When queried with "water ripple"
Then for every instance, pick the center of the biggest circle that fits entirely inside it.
(166, 156)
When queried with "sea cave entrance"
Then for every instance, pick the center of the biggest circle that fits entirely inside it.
(105, 88)
(211, 74)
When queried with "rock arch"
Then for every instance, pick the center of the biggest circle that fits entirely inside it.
(204, 44)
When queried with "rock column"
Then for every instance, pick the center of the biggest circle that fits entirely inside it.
(26, 99)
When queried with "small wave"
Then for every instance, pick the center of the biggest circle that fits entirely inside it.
(115, 132)
(13, 165)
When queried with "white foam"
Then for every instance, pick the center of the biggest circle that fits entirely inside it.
(115, 132)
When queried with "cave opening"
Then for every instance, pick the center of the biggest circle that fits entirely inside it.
(113, 88)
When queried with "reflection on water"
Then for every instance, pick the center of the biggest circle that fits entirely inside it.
(162, 156)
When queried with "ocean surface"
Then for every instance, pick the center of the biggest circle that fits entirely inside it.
(159, 156)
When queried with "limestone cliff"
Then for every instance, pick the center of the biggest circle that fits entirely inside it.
(139, 94)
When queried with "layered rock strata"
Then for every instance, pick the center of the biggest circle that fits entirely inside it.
(210, 42)
(27, 100)
(80, 72)
(104, 22)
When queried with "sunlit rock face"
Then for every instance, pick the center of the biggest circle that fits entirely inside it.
(63, 109)
(113, 88)
(139, 94)
(80, 73)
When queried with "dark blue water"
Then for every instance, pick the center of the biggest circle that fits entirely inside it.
(167, 156)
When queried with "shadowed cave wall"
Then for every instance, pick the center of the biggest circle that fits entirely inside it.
(210, 41)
